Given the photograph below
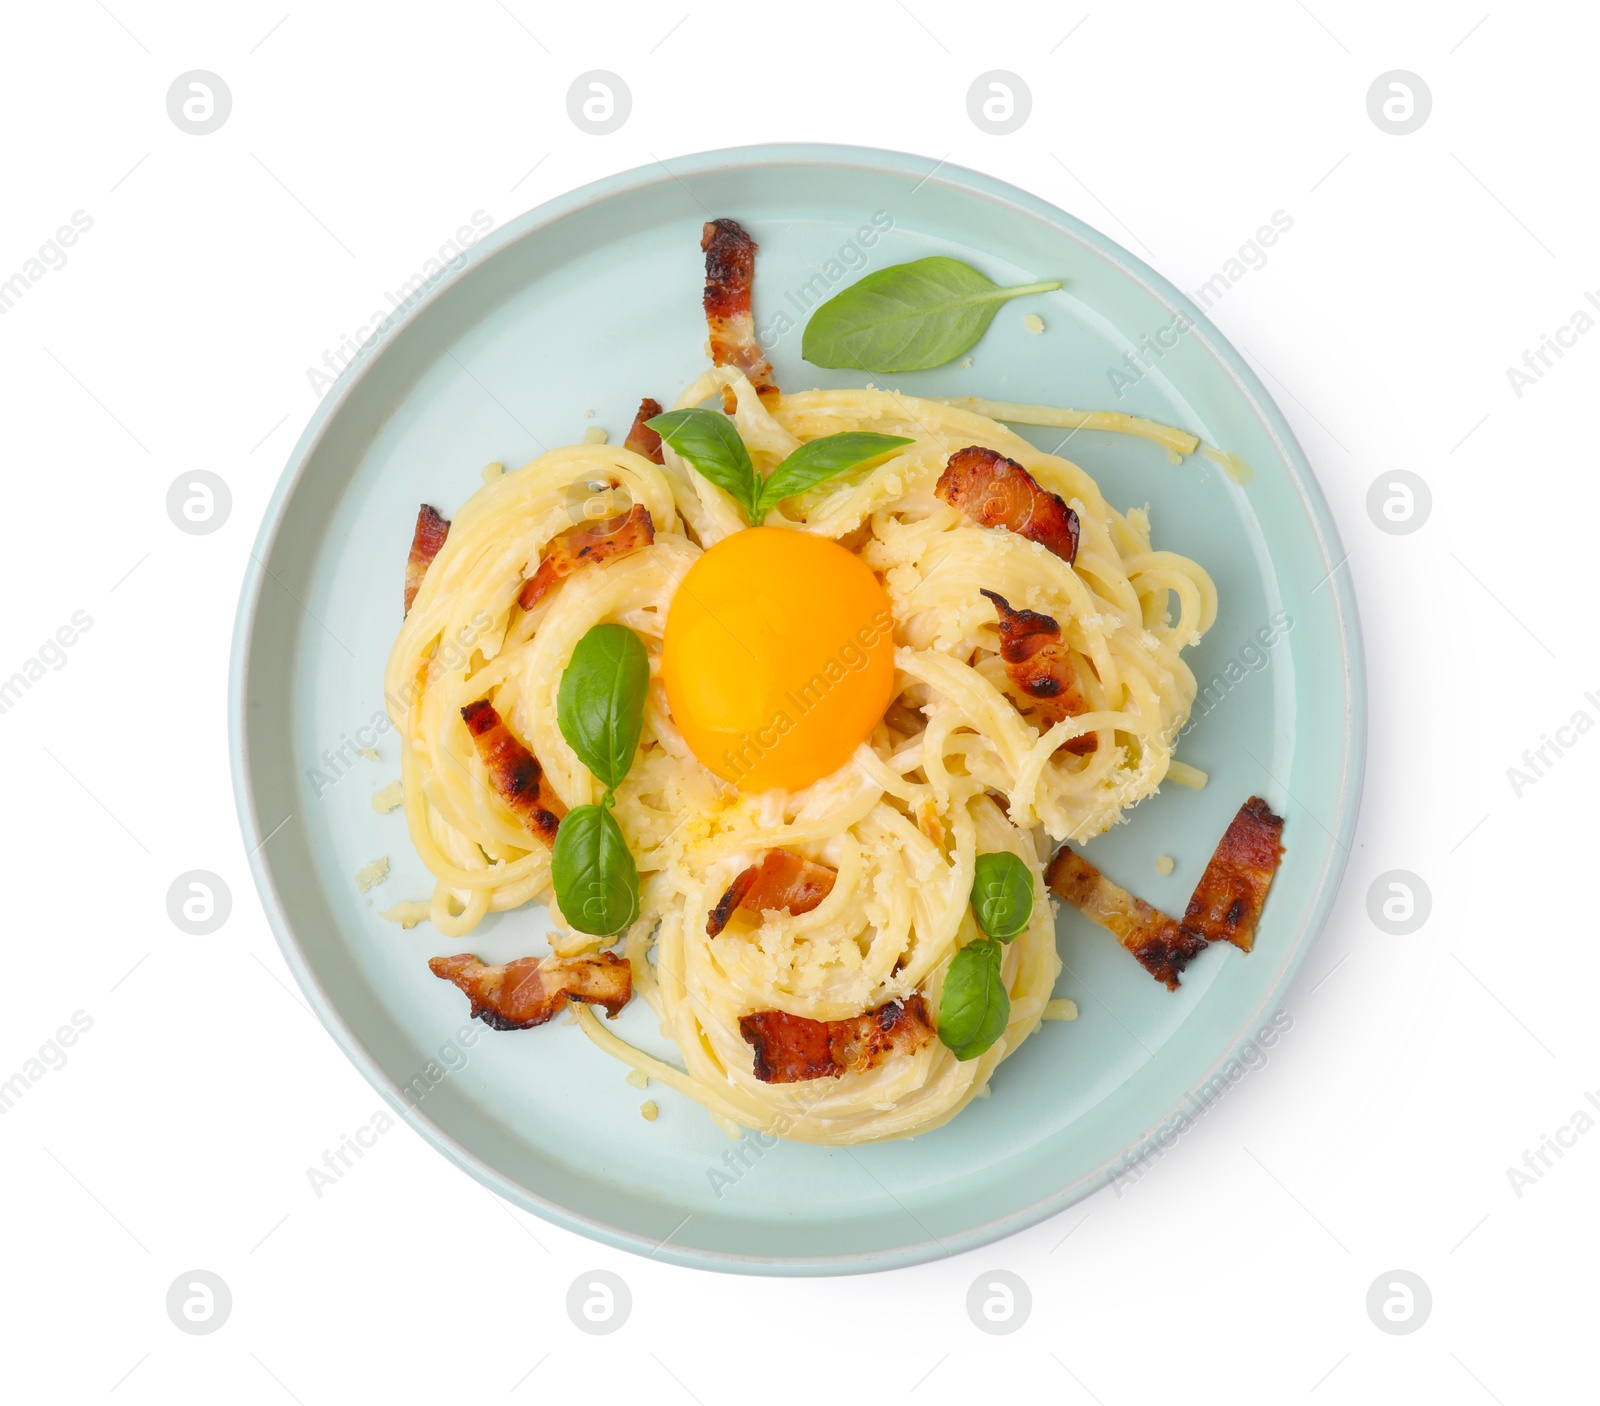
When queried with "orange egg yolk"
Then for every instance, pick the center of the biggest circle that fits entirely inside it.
(778, 658)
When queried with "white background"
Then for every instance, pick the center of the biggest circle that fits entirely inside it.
(177, 337)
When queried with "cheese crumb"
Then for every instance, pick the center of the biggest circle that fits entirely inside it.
(370, 753)
(493, 471)
(595, 434)
(1034, 323)
(1164, 864)
(408, 915)
(1060, 1009)
(965, 362)
(1185, 775)
(649, 1110)
(371, 875)
(638, 1078)
(392, 797)
(588, 414)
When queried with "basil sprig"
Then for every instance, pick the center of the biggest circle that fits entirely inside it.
(600, 704)
(710, 443)
(908, 317)
(597, 882)
(600, 710)
(1002, 894)
(974, 1007)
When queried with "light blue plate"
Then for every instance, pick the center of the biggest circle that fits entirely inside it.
(591, 302)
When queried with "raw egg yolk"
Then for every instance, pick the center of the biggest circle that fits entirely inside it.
(778, 657)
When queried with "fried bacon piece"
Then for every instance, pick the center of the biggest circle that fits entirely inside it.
(995, 491)
(730, 270)
(1162, 947)
(528, 991)
(1039, 663)
(514, 771)
(587, 543)
(641, 438)
(791, 1048)
(782, 879)
(425, 543)
(1228, 899)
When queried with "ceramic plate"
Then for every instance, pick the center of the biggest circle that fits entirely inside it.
(587, 304)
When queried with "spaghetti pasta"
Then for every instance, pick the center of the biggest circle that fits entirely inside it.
(955, 769)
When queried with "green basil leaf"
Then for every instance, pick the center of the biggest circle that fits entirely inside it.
(817, 461)
(710, 443)
(1002, 894)
(600, 704)
(974, 1006)
(907, 317)
(597, 883)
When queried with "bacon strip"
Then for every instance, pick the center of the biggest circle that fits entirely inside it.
(641, 438)
(995, 491)
(730, 270)
(1228, 899)
(782, 879)
(530, 990)
(582, 545)
(429, 536)
(514, 771)
(791, 1048)
(1041, 666)
(1162, 947)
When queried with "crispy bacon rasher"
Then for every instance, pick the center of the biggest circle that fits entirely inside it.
(1162, 947)
(530, 990)
(514, 771)
(1227, 901)
(584, 545)
(792, 1048)
(730, 271)
(782, 879)
(431, 530)
(1039, 663)
(995, 491)
(641, 438)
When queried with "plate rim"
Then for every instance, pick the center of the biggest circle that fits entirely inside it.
(1314, 507)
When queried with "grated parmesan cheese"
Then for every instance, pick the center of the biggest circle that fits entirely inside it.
(638, 1078)
(391, 797)
(371, 875)
(1034, 323)
(1060, 1009)
(1164, 864)
(649, 1110)
(595, 434)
